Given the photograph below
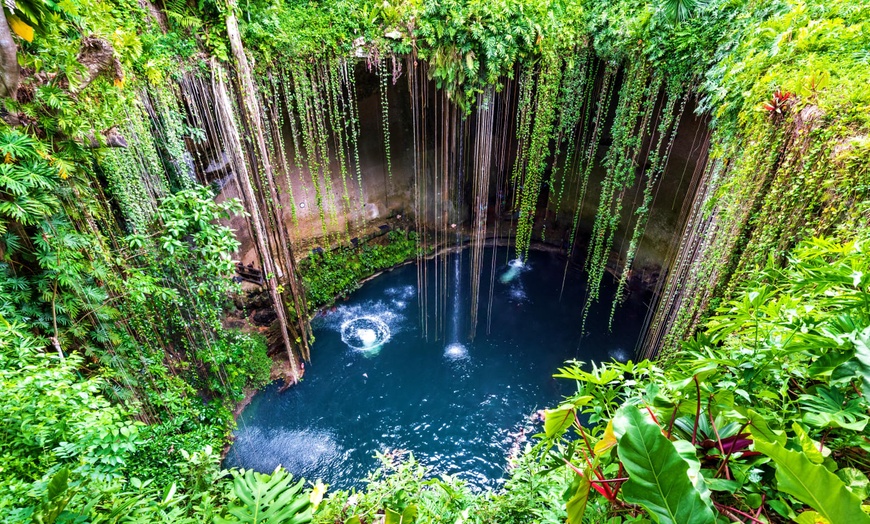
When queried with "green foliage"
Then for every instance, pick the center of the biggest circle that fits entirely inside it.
(579, 492)
(658, 477)
(52, 419)
(780, 177)
(28, 183)
(469, 45)
(528, 172)
(267, 499)
(303, 28)
(337, 273)
(56, 498)
(813, 484)
(773, 375)
(680, 10)
(399, 491)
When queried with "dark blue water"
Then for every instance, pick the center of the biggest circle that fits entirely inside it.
(461, 407)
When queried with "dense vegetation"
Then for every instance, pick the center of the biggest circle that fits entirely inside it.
(334, 274)
(118, 377)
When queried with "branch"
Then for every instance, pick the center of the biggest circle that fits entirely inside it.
(111, 138)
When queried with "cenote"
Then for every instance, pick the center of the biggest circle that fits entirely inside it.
(187, 186)
(377, 384)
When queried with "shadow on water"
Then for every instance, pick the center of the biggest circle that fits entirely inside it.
(375, 384)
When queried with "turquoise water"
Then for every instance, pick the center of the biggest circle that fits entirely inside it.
(376, 384)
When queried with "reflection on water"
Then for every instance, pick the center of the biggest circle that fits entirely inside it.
(375, 384)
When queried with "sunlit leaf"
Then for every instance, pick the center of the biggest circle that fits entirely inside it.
(658, 475)
(813, 485)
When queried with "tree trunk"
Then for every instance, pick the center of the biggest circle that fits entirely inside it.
(10, 73)
(252, 113)
(258, 226)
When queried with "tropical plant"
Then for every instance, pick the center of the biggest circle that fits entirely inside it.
(266, 499)
(761, 416)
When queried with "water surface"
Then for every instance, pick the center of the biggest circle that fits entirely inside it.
(376, 384)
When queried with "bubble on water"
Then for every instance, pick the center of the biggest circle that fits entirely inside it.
(515, 267)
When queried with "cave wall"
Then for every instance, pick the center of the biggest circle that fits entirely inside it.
(381, 197)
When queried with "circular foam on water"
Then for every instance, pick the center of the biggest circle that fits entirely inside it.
(365, 333)
(456, 351)
(516, 263)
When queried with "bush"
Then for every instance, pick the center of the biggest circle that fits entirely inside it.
(337, 273)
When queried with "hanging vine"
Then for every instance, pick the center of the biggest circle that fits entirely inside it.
(667, 130)
(570, 107)
(304, 98)
(383, 76)
(595, 130)
(530, 167)
(483, 154)
(278, 106)
(635, 105)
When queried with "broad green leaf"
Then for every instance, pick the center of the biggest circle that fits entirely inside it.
(813, 485)
(658, 476)
(558, 420)
(268, 499)
(759, 428)
(689, 454)
(825, 364)
(407, 516)
(576, 505)
(811, 517)
(856, 482)
(781, 507)
(731, 486)
(862, 355)
(809, 446)
(753, 500)
(58, 484)
(56, 499)
(828, 407)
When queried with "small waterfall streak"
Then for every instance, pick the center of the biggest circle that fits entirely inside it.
(455, 350)
(457, 300)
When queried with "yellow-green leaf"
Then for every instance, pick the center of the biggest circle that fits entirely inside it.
(811, 517)
(576, 505)
(813, 485)
(608, 440)
(558, 420)
(20, 28)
